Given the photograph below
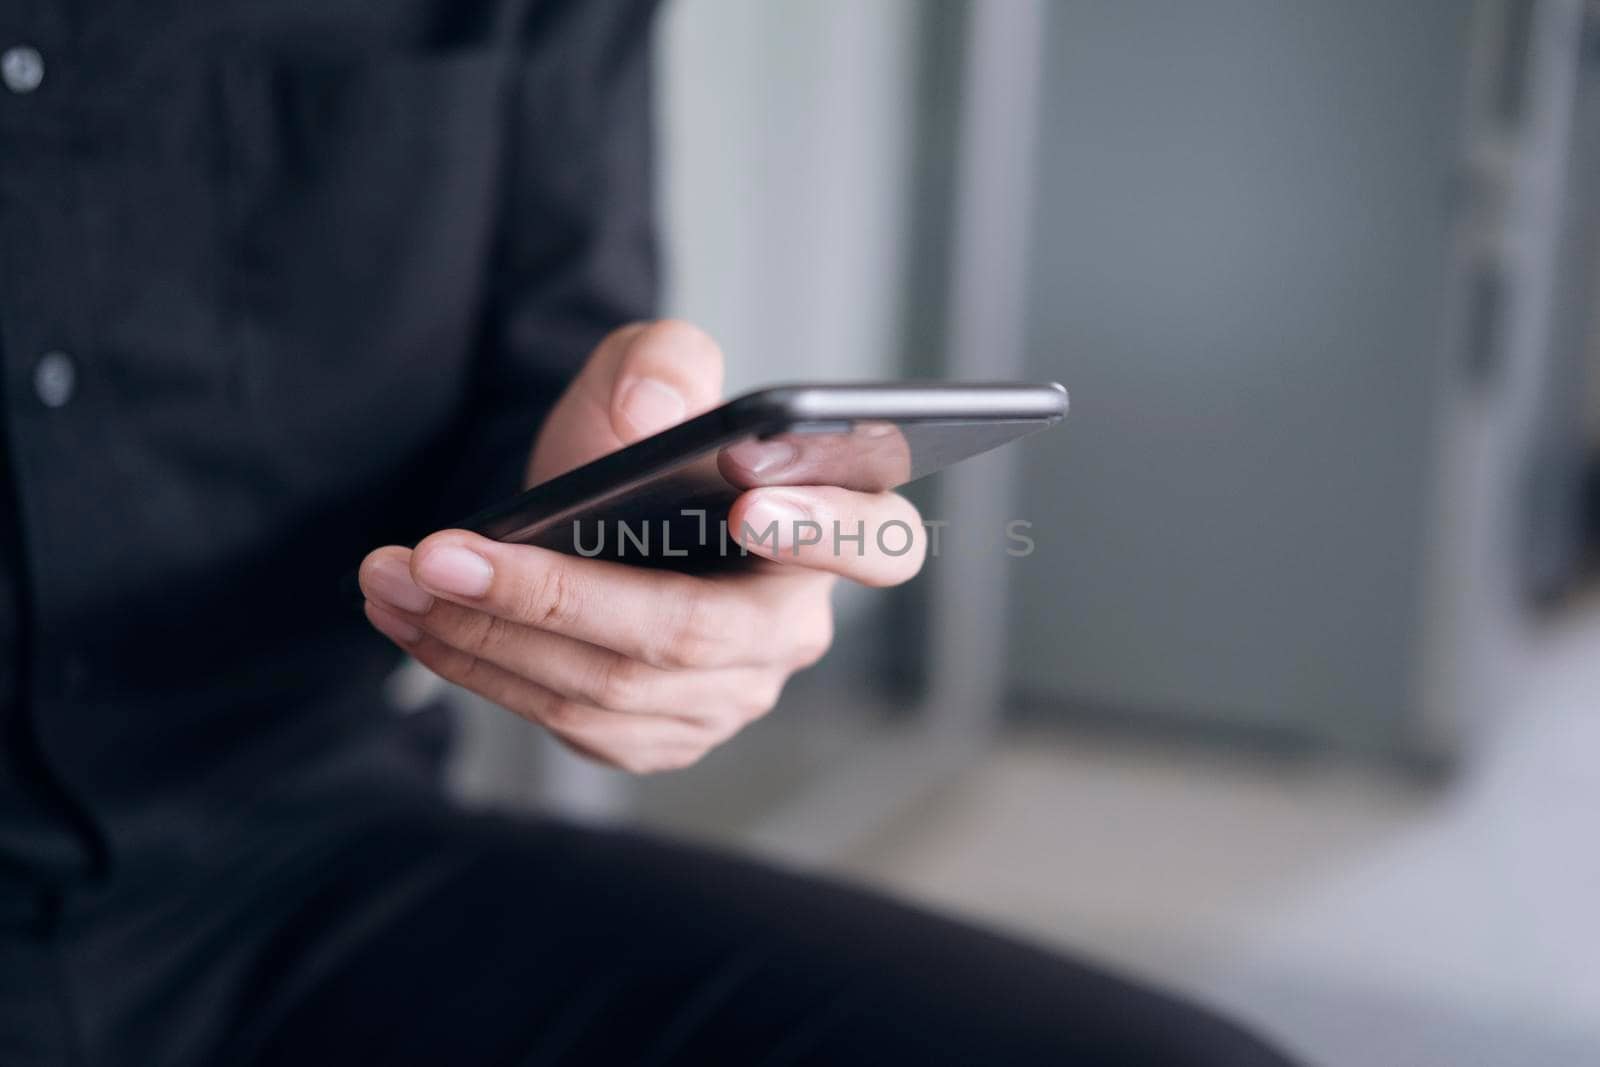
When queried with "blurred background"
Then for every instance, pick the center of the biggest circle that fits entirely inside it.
(1296, 705)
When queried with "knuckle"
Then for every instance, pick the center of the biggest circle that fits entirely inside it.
(690, 635)
(441, 660)
(635, 761)
(466, 671)
(549, 599)
(657, 755)
(724, 727)
(680, 649)
(763, 698)
(479, 633)
(621, 684)
(564, 716)
(647, 760)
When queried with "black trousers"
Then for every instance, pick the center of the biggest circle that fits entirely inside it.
(393, 928)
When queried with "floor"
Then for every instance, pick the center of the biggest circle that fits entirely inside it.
(1357, 918)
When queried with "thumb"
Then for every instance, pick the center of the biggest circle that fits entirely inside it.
(640, 380)
(663, 373)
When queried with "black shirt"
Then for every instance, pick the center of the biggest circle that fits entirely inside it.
(280, 281)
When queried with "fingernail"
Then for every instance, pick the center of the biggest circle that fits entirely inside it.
(391, 625)
(769, 510)
(648, 405)
(455, 571)
(389, 581)
(765, 457)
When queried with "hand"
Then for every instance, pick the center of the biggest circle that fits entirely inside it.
(646, 670)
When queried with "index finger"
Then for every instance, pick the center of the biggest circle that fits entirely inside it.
(664, 618)
(873, 538)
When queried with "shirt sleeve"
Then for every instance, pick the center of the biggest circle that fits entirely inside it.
(576, 249)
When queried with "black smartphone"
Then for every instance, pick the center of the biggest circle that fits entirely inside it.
(664, 501)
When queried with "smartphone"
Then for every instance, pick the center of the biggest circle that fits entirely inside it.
(664, 501)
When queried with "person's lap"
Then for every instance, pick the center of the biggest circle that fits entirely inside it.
(417, 933)
(458, 938)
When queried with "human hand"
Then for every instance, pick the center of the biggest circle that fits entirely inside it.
(642, 669)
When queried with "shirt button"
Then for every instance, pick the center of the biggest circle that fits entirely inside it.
(55, 379)
(21, 68)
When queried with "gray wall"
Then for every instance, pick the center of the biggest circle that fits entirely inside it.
(786, 139)
(1244, 223)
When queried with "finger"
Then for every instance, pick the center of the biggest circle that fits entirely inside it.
(664, 373)
(641, 744)
(872, 458)
(634, 743)
(598, 676)
(495, 684)
(578, 428)
(873, 538)
(669, 620)
(385, 577)
(642, 378)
